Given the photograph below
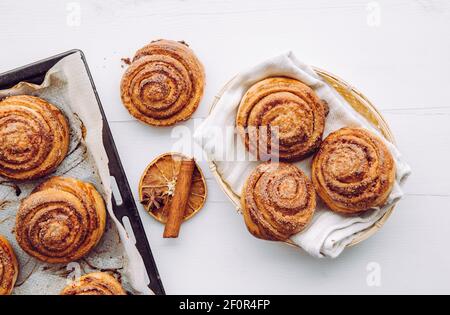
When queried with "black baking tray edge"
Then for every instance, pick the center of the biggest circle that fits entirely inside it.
(35, 73)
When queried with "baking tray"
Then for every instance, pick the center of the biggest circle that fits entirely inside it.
(35, 73)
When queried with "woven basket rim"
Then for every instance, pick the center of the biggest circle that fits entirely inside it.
(359, 97)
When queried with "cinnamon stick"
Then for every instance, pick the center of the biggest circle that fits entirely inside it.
(180, 199)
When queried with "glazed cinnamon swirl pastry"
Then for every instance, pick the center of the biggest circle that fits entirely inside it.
(281, 118)
(96, 283)
(9, 268)
(353, 171)
(164, 83)
(278, 201)
(34, 137)
(61, 220)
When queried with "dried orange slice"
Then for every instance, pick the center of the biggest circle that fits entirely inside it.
(157, 187)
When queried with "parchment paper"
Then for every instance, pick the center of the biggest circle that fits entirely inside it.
(67, 86)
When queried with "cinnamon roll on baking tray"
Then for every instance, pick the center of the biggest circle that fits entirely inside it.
(96, 283)
(164, 83)
(61, 220)
(278, 201)
(353, 171)
(34, 137)
(284, 110)
(9, 268)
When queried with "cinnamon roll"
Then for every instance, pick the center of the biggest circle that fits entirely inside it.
(164, 83)
(96, 283)
(9, 268)
(278, 201)
(34, 137)
(61, 220)
(281, 118)
(353, 171)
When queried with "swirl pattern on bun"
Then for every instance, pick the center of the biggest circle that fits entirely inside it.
(61, 220)
(281, 118)
(278, 201)
(96, 283)
(9, 267)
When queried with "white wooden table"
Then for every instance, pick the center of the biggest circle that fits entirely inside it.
(396, 52)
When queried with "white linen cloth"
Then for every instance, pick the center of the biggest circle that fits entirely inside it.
(329, 233)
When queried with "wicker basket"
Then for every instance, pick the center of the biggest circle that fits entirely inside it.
(363, 106)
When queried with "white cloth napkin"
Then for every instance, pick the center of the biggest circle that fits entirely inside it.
(329, 232)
